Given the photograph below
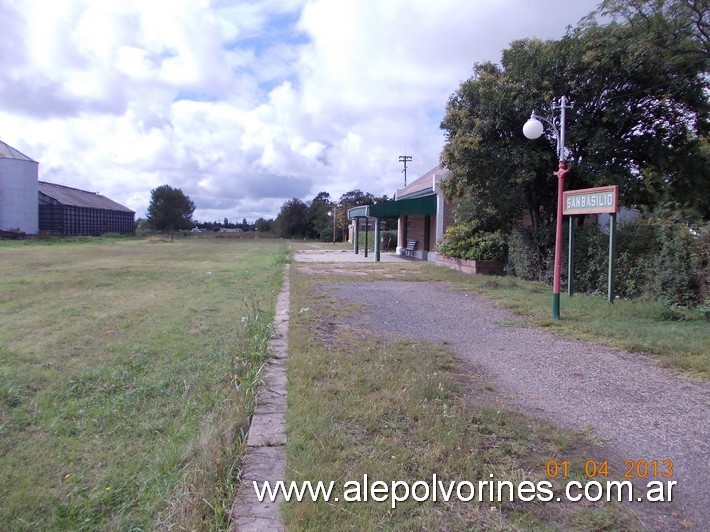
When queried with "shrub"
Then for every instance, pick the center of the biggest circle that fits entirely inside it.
(676, 281)
(591, 259)
(704, 270)
(463, 241)
(637, 243)
(656, 257)
(389, 240)
(531, 253)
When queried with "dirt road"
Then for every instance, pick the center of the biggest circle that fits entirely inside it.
(639, 410)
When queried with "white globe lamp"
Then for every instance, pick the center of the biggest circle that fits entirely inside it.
(533, 129)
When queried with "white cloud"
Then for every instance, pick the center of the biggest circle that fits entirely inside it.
(245, 104)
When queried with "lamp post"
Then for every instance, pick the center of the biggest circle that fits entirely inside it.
(333, 212)
(533, 129)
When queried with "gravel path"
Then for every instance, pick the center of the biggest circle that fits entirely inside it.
(640, 410)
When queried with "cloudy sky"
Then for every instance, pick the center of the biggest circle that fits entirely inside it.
(244, 104)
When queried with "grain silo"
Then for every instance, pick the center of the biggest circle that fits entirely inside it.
(18, 191)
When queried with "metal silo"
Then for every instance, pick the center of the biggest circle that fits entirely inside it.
(18, 191)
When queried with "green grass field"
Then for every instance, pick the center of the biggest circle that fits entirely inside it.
(128, 369)
(126, 378)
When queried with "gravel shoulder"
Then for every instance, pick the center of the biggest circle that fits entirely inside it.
(638, 409)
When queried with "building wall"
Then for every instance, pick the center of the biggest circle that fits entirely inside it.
(416, 230)
(67, 220)
(18, 195)
(443, 219)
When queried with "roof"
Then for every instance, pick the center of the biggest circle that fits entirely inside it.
(423, 185)
(79, 198)
(8, 152)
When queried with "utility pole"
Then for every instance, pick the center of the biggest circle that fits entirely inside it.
(404, 159)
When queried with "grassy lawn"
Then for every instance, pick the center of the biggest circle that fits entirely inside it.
(126, 378)
(128, 367)
(361, 404)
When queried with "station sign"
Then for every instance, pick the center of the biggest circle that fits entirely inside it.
(591, 201)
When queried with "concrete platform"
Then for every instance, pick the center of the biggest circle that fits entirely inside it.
(339, 255)
(265, 459)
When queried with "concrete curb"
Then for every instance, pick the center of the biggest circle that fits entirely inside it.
(265, 459)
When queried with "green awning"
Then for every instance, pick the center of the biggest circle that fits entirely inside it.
(422, 206)
(358, 212)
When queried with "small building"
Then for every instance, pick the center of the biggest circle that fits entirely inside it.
(421, 210)
(18, 191)
(67, 211)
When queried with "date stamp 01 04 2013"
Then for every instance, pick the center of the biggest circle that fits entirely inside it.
(632, 469)
(656, 474)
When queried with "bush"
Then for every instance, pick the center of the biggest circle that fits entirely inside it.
(704, 270)
(591, 259)
(463, 241)
(656, 257)
(531, 253)
(676, 281)
(637, 242)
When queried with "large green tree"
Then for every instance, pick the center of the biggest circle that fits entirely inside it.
(640, 120)
(170, 209)
(263, 225)
(352, 198)
(678, 28)
(319, 219)
(292, 221)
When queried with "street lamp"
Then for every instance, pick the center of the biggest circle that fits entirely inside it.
(333, 213)
(533, 129)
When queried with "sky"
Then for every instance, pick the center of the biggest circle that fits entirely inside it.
(245, 104)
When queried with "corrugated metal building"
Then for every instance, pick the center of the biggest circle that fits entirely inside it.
(67, 211)
(18, 191)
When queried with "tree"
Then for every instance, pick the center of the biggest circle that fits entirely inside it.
(677, 27)
(263, 225)
(292, 221)
(320, 222)
(170, 210)
(488, 157)
(640, 121)
(355, 198)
